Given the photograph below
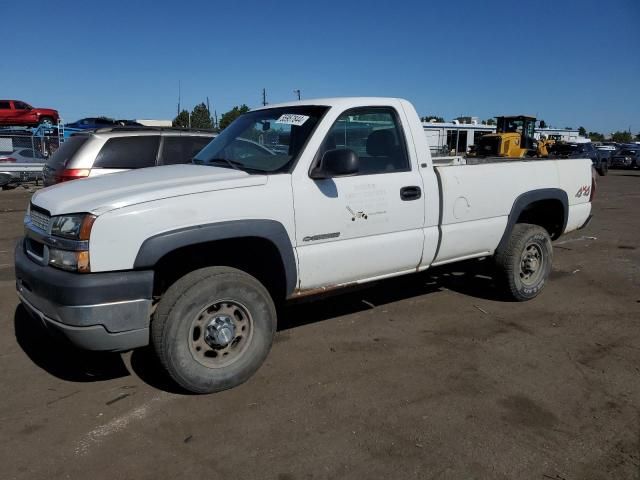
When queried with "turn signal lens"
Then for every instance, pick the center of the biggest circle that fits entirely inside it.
(83, 261)
(87, 225)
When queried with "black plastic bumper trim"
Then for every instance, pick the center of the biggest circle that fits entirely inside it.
(71, 289)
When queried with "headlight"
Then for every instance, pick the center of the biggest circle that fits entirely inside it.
(73, 253)
(75, 261)
(76, 227)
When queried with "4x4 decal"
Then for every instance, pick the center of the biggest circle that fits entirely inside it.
(583, 191)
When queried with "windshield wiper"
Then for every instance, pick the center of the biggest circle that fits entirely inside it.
(232, 164)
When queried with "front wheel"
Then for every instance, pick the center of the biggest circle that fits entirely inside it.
(213, 329)
(524, 263)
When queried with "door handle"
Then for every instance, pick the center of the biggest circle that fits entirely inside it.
(410, 193)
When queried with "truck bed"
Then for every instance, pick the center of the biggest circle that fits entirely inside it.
(474, 213)
(463, 160)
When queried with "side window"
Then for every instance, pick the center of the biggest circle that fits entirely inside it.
(20, 106)
(5, 105)
(374, 133)
(181, 149)
(128, 152)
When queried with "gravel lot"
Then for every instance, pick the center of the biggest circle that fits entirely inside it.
(427, 376)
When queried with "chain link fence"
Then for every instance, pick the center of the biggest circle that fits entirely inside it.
(24, 152)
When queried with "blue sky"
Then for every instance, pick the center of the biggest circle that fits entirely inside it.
(570, 62)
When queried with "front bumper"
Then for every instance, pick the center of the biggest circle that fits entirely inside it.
(621, 162)
(95, 311)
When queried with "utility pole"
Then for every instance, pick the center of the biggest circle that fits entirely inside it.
(297, 92)
(264, 96)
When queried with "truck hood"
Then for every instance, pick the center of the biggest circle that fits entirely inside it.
(101, 194)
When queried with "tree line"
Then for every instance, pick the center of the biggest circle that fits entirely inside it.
(200, 117)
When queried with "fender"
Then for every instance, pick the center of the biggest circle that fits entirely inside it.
(154, 248)
(526, 199)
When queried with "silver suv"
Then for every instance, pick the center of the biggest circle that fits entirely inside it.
(116, 149)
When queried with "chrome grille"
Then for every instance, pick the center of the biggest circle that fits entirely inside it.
(40, 220)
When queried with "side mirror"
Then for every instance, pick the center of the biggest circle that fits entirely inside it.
(336, 163)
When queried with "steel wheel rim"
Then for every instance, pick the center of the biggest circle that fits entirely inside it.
(203, 347)
(532, 264)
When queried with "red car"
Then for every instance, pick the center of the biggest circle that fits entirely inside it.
(15, 112)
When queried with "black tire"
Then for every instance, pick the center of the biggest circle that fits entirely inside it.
(46, 121)
(187, 310)
(524, 264)
(604, 169)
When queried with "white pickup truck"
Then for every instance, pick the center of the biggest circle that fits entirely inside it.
(290, 200)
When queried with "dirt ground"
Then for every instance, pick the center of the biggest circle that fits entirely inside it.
(427, 376)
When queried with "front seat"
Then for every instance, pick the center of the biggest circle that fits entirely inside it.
(381, 148)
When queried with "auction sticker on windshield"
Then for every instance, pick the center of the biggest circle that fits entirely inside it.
(292, 119)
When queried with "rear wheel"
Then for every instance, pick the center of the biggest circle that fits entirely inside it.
(213, 329)
(524, 263)
(604, 169)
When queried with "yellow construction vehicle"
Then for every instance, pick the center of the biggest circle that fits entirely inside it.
(513, 138)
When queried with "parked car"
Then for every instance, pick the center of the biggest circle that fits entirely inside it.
(194, 258)
(606, 146)
(600, 159)
(117, 149)
(23, 155)
(17, 113)
(628, 157)
(91, 123)
(128, 123)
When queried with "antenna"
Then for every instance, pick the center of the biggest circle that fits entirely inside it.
(179, 95)
(264, 96)
(297, 92)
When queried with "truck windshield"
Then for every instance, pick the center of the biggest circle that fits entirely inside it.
(263, 141)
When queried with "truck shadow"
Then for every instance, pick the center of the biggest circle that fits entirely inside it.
(472, 278)
(62, 360)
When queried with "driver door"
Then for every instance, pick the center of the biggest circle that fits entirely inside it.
(367, 225)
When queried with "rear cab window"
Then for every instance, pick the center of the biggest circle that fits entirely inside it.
(67, 150)
(128, 152)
